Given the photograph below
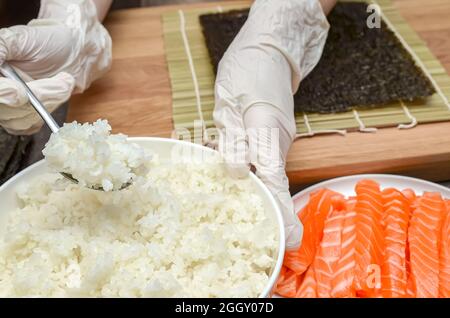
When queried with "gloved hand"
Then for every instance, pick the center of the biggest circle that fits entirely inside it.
(277, 47)
(62, 51)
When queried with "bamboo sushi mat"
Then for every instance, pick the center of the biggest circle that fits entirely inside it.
(192, 80)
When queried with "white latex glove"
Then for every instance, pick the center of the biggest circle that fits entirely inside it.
(277, 47)
(62, 51)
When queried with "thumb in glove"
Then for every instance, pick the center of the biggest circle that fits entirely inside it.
(270, 133)
(262, 136)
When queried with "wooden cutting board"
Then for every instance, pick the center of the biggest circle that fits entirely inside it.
(135, 97)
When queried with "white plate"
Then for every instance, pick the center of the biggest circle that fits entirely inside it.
(346, 186)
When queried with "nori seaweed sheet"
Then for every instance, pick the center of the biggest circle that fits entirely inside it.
(7, 145)
(219, 31)
(12, 150)
(15, 161)
(359, 66)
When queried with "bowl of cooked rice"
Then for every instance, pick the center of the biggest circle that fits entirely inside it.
(184, 229)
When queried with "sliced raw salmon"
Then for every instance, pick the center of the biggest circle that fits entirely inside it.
(387, 243)
(444, 265)
(350, 204)
(369, 244)
(291, 258)
(424, 243)
(410, 195)
(396, 220)
(410, 287)
(328, 255)
(288, 283)
(308, 287)
(343, 283)
(339, 202)
(313, 217)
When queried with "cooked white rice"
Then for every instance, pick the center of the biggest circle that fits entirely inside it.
(95, 157)
(186, 231)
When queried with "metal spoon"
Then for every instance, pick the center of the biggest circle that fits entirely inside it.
(10, 73)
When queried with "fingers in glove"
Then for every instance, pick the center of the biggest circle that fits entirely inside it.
(28, 125)
(270, 136)
(232, 135)
(14, 42)
(6, 37)
(40, 51)
(52, 92)
(12, 93)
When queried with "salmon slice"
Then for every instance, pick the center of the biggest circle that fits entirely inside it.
(339, 202)
(410, 288)
(291, 258)
(396, 219)
(444, 259)
(350, 204)
(308, 287)
(313, 217)
(424, 243)
(327, 257)
(410, 195)
(288, 283)
(343, 283)
(369, 244)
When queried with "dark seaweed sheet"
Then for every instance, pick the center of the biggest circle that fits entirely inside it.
(219, 31)
(359, 66)
(14, 162)
(7, 145)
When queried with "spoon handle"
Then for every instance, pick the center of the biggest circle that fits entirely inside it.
(10, 73)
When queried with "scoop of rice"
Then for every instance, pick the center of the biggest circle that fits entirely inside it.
(95, 157)
(186, 230)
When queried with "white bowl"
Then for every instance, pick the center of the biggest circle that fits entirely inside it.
(168, 150)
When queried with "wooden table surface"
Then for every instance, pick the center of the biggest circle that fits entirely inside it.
(135, 97)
